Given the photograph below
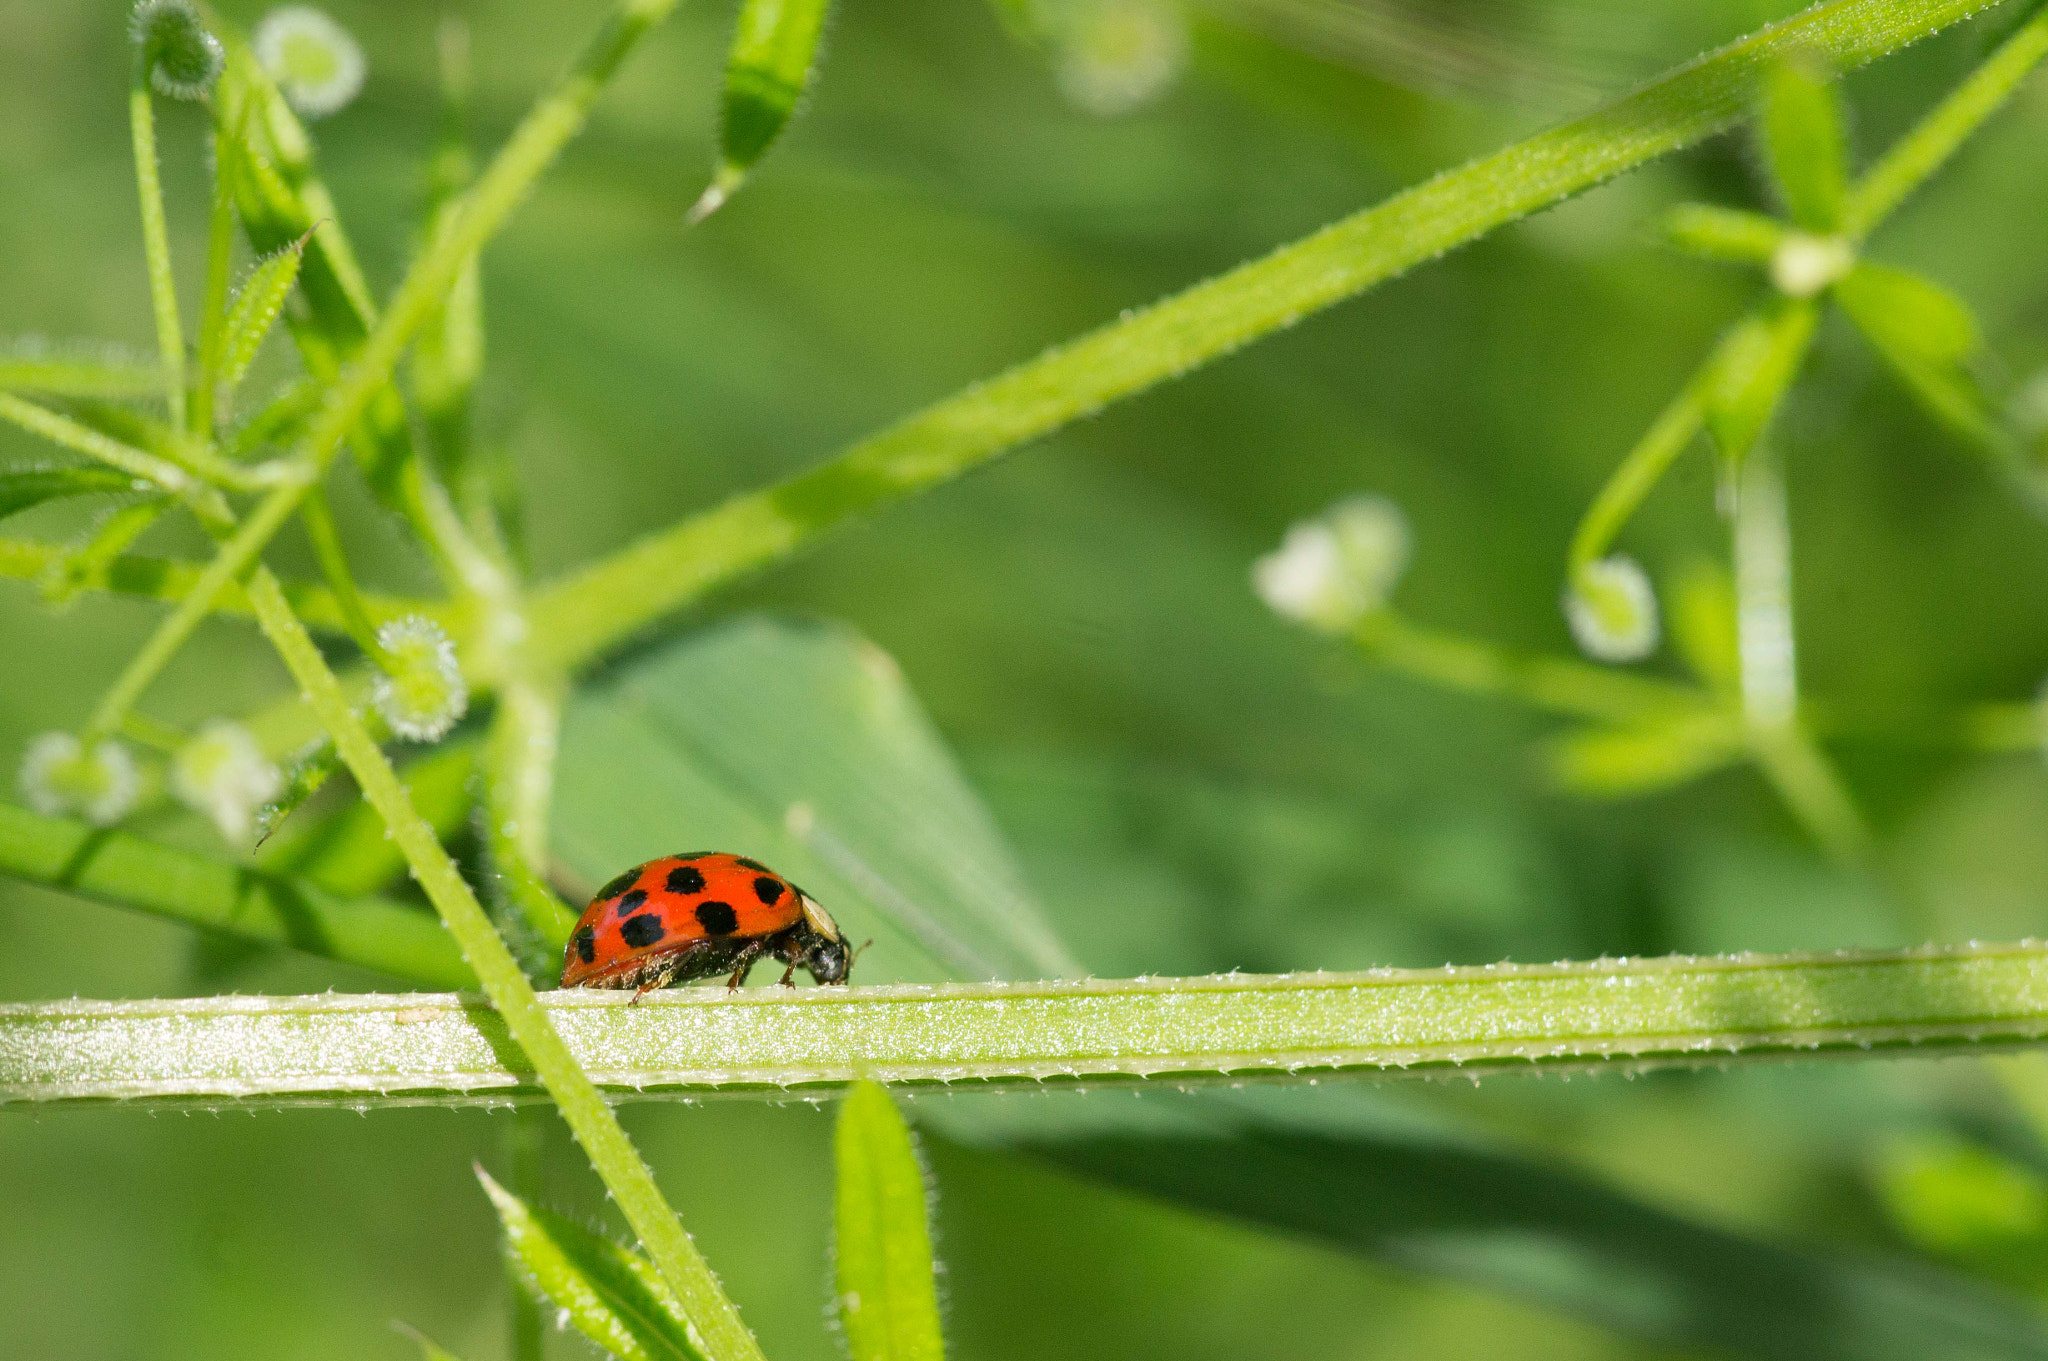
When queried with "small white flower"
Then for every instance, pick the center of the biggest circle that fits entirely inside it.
(316, 63)
(223, 773)
(1612, 610)
(1115, 55)
(58, 776)
(1804, 264)
(182, 58)
(423, 693)
(1332, 571)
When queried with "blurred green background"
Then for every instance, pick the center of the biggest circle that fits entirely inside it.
(1192, 785)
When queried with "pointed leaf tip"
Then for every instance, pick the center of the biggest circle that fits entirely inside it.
(1801, 127)
(886, 1296)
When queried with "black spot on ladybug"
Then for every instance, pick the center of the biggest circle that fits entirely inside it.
(642, 931)
(767, 889)
(586, 944)
(631, 901)
(718, 918)
(686, 879)
(619, 885)
(753, 865)
(694, 855)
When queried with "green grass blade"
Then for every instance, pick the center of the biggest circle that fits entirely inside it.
(611, 1294)
(591, 611)
(128, 871)
(774, 50)
(886, 1296)
(1475, 1020)
(1801, 132)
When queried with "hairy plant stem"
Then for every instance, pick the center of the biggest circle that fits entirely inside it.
(156, 242)
(1506, 1018)
(592, 1120)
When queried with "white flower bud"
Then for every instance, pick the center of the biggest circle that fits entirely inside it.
(317, 64)
(182, 58)
(1115, 55)
(225, 775)
(1612, 610)
(1803, 264)
(58, 777)
(423, 693)
(1332, 571)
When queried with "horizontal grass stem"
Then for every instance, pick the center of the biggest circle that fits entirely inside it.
(1628, 1014)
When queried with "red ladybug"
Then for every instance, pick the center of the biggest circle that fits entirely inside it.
(692, 916)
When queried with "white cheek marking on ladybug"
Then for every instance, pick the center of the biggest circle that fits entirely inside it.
(820, 921)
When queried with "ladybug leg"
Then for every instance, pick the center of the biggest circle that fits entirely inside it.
(660, 979)
(743, 964)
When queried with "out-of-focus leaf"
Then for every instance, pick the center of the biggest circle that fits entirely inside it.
(1703, 624)
(1927, 334)
(1750, 372)
(430, 1350)
(611, 1294)
(1616, 762)
(1723, 233)
(887, 1299)
(802, 746)
(1801, 127)
(1343, 1167)
(1960, 1199)
(774, 49)
(89, 369)
(21, 488)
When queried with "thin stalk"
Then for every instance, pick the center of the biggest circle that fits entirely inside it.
(326, 540)
(1640, 471)
(156, 243)
(533, 146)
(1621, 1015)
(83, 439)
(220, 254)
(591, 611)
(1916, 156)
(1555, 684)
(513, 999)
(518, 786)
(69, 569)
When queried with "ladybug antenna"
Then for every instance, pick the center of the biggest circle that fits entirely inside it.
(857, 953)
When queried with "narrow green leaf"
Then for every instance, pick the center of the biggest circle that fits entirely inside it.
(1723, 233)
(255, 310)
(611, 1294)
(128, 871)
(72, 569)
(1801, 128)
(430, 1350)
(1702, 611)
(802, 746)
(21, 488)
(1616, 762)
(887, 1300)
(1928, 336)
(1746, 379)
(774, 51)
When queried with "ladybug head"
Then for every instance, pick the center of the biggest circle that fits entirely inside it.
(827, 959)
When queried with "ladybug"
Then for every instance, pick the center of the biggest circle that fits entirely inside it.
(695, 915)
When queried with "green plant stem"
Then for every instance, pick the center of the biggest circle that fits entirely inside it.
(156, 244)
(518, 785)
(554, 119)
(1924, 150)
(77, 371)
(116, 867)
(1518, 1018)
(1813, 789)
(327, 551)
(1641, 470)
(1557, 684)
(220, 253)
(591, 611)
(513, 999)
(172, 579)
(83, 439)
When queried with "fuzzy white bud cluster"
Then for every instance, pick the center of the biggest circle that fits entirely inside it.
(1111, 56)
(180, 56)
(422, 693)
(317, 64)
(224, 774)
(1612, 610)
(1804, 264)
(59, 777)
(1333, 570)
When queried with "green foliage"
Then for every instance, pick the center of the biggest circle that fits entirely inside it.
(610, 1294)
(21, 488)
(774, 51)
(885, 1292)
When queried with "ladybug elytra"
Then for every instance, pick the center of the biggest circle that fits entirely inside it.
(695, 915)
